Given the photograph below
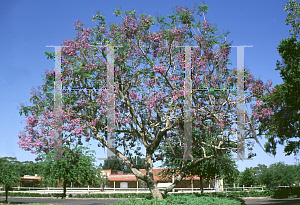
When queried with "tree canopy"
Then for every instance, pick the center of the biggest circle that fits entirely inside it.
(283, 126)
(114, 163)
(76, 166)
(246, 178)
(9, 173)
(277, 174)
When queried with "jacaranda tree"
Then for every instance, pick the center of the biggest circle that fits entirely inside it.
(150, 88)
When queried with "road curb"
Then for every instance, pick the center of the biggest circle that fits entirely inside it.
(17, 197)
(256, 197)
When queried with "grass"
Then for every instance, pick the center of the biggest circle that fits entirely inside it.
(30, 203)
(191, 200)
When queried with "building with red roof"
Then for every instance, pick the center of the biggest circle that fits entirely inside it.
(29, 181)
(119, 180)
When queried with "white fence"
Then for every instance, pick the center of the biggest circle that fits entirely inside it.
(88, 190)
(238, 189)
(46, 190)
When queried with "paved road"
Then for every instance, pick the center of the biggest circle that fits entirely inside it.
(48, 200)
(270, 201)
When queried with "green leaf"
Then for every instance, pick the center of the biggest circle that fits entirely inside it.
(118, 12)
(50, 55)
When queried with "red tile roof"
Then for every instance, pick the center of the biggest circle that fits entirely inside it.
(131, 177)
(30, 178)
(122, 177)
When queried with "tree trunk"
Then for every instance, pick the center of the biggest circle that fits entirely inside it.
(6, 194)
(201, 185)
(156, 194)
(65, 189)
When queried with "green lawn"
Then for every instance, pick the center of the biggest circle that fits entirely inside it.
(32, 204)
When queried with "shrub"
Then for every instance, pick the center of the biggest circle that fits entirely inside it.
(144, 195)
(58, 195)
(282, 193)
(181, 199)
(286, 192)
(120, 195)
(37, 195)
(295, 191)
(103, 195)
(86, 196)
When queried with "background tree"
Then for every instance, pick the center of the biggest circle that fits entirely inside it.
(255, 172)
(282, 174)
(297, 174)
(246, 178)
(277, 174)
(267, 178)
(284, 100)
(101, 179)
(75, 165)
(30, 168)
(9, 174)
(149, 99)
(228, 170)
(261, 169)
(114, 163)
(138, 162)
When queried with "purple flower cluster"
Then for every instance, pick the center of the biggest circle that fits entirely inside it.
(134, 95)
(159, 69)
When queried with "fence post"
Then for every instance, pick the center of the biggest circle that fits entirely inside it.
(243, 187)
(173, 190)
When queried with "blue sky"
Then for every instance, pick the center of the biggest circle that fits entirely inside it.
(27, 27)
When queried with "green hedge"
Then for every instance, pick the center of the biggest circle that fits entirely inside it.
(114, 195)
(252, 193)
(277, 193)
(58, 195)
(184, 199)
(26, 194)
(287, 192)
